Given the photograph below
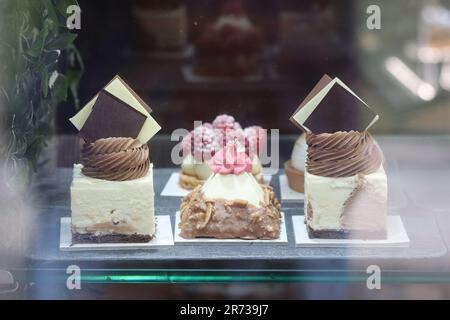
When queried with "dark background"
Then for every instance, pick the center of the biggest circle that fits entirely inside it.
(110, 44)
(332, 38)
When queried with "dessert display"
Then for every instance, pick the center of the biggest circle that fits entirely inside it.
(434, 29)
(295, 167)
(345, 182)
(160, 24)
(231, 46)
(231, 203)
(112, 196)
(204, 141)
(315, 26)
(439, 37)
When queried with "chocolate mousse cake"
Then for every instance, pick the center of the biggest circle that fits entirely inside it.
(345, 186)
(205, 140)
(112, 192)
(112, 196)
(231, 203)
(345, 182)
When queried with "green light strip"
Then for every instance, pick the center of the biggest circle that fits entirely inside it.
(201, 278)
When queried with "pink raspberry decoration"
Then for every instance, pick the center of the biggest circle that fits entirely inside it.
(232, 135)
(256, 138)
(207, 125)
(186, 144)
(204, 143)
(224, 122)
(230, 160)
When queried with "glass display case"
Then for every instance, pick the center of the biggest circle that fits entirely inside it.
(195, 84)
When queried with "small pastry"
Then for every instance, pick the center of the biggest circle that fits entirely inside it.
(231, 203)
(204, 141)
(295, 167)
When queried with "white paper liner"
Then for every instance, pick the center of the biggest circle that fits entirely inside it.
(287, 194)
(397, 236)
(163, 237)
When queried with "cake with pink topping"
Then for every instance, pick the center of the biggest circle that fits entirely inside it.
(202, 143)
(231, 46)
(231, 203)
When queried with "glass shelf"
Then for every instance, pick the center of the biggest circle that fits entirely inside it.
(425, 260)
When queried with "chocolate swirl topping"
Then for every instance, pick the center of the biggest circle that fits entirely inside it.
(115, 159)
(342, 154)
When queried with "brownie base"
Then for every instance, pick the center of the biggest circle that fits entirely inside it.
(110, 238)
(347, 234)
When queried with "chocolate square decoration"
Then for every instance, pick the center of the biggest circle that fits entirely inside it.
(346, 111)
(326, 79)
(111, 117)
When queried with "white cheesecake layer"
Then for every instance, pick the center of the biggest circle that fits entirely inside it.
(104, 207)
(188, 165)
(234, 187)
(328, 196)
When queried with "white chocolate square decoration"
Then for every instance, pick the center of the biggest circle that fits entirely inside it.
(122, 91)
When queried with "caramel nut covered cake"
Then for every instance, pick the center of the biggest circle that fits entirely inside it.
(231, 203)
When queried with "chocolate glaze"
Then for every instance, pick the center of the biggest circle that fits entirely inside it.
(342, 154)
(115, 159)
